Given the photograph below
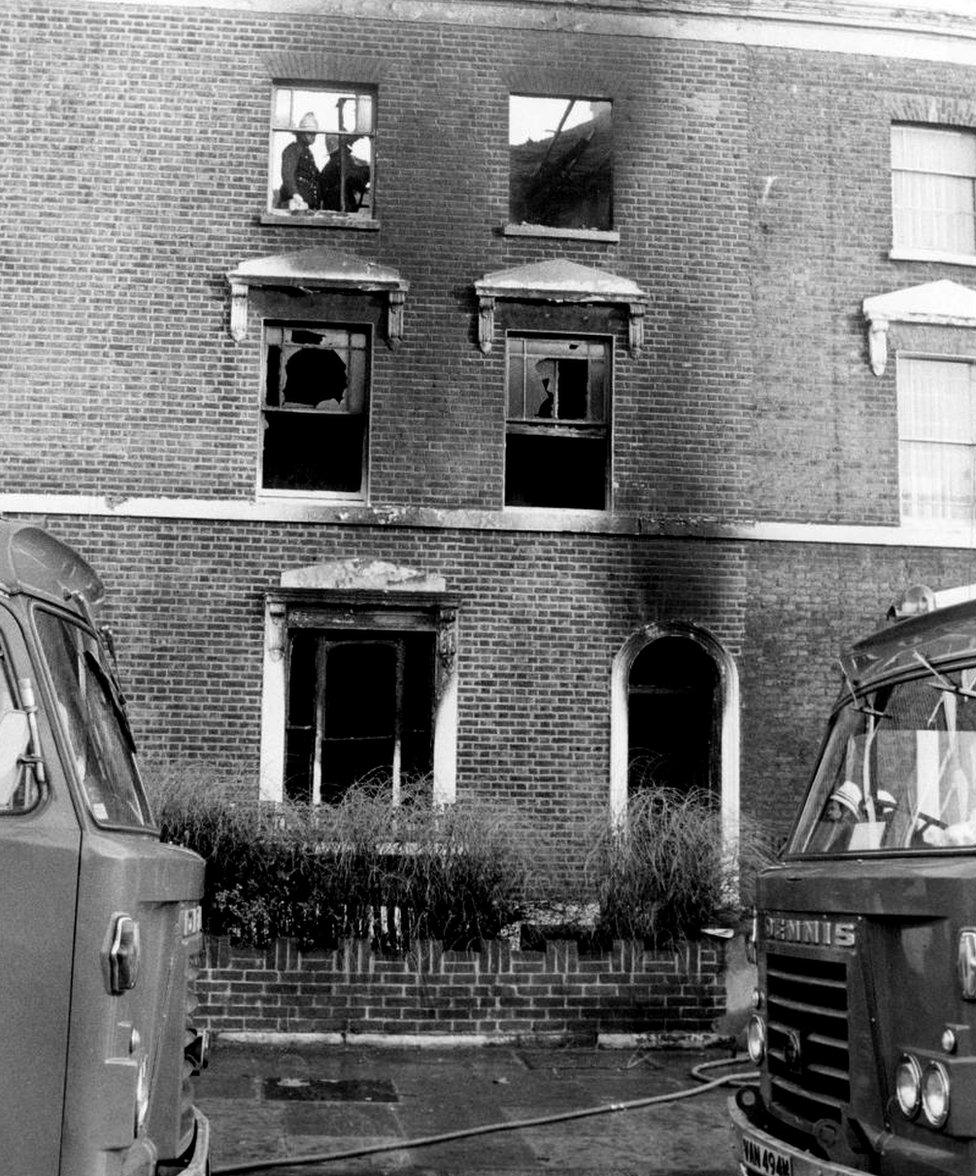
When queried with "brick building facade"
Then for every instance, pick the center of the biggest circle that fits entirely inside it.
(548, 429)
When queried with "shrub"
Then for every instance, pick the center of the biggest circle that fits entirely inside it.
(360, 868)
(668, 872)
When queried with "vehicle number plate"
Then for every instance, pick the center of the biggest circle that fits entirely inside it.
(766, 1159)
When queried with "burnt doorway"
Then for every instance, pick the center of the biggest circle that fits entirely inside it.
(674, 709)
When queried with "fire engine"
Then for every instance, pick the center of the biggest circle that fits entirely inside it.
(99, 921)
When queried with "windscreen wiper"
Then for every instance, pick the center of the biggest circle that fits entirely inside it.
(941, 681)
(858, 706)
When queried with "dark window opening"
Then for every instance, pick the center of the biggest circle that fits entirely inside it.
(322, 150)
(557, 439)
(560, 162)
(674, 716)
(315, 409)
(360, 710)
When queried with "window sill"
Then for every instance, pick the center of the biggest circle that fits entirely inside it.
(311, 498)
(526, 230)
(321, 220)
(932, 255)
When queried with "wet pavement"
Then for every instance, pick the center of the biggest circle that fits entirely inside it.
(276, 1100)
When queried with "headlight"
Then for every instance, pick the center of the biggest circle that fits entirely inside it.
(935, 1094)
(756, 1039)
(908, 1086)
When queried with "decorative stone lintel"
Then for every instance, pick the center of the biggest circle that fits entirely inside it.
(943, 303)
(558, 281)
(310, 271)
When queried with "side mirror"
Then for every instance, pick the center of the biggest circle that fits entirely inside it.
(15, 741)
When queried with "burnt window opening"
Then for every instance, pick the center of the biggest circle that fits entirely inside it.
(557, 436)
(561, 162)
(322, 142)
(316, 409)
(674, 717)
(360, 708)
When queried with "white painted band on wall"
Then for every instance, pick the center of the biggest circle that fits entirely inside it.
(585, 522)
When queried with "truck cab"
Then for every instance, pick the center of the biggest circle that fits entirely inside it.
(865, 932)
(99, 922)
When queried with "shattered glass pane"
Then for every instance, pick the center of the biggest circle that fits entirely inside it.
(560, 162)
(316, 385)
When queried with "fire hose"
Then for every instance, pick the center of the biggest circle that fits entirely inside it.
(705, 1084)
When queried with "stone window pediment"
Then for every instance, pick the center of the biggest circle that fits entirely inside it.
(942, 303)
(311, 270)
(558, 281)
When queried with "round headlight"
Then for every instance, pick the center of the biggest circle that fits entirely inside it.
(908, 1085)
(935, 1094)
(756, 1039)
(756, 999)
(949, 1041)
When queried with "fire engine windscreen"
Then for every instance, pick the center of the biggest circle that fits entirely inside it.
(898, 772)
(94, 723)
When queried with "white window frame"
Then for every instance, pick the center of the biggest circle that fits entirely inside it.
(923, 520)
(553, 427)
(903, 247)
(363, 128)
(728, 701)
(385, 612)
(323, 326)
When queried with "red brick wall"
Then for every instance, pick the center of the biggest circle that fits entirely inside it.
(752, 202)
(496, 991)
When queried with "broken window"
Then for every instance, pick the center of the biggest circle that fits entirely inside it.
(560, 162)
(360, 709)
(322, 150)
(316, 397)
(674, 715)
(557, 436)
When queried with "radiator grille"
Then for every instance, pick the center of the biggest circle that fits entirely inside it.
(809, 1040)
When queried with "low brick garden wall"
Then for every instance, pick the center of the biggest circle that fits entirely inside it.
(496, 992)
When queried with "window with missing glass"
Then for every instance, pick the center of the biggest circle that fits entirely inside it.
(557, 443)
(360, 711)
(315, 410)
(561, 162)
(321, 160)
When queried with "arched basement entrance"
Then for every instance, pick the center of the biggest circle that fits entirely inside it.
(675, 717)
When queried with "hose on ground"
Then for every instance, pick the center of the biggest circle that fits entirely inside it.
(739, 1079)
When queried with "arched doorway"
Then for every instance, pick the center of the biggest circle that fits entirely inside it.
(674, 717)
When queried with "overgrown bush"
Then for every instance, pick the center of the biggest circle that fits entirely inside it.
(360, 868)
(667, 872)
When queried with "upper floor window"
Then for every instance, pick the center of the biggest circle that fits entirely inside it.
(937, 438)
(557, 449)
(322, 150)
(316, 408)
(560, 162)
(933, 183)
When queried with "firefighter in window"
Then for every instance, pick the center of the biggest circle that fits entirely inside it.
(300, 177)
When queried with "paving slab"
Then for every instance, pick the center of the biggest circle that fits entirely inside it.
(339, 1098)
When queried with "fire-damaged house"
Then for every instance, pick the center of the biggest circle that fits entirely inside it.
(529, 399)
